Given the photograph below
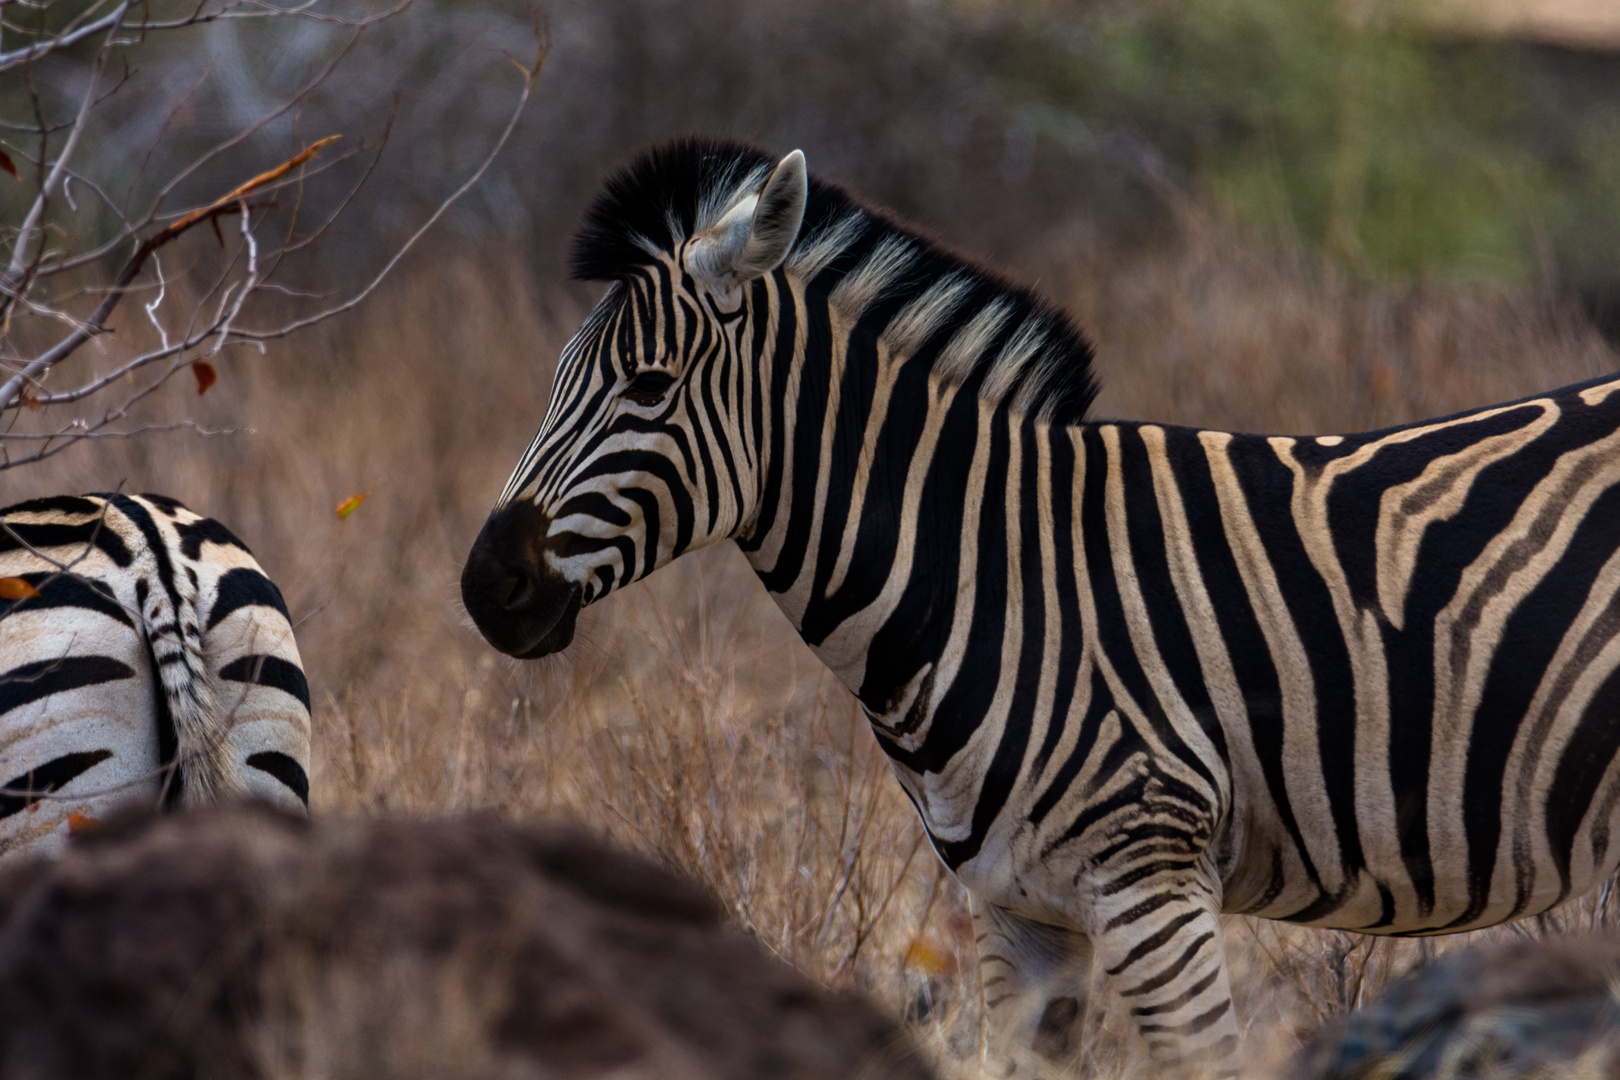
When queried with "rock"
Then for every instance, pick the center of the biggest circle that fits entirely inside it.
(243, 943)
(1496, 1012)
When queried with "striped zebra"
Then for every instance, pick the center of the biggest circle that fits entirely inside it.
(1131, 675)
(144, 657)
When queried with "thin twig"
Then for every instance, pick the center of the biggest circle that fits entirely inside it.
(14, 281)
(298, 324)
(231, 202)
(70, 36)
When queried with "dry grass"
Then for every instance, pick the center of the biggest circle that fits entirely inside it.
(688, 720)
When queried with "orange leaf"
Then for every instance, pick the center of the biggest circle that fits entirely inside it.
(15, 588)
(206, 375)
(175, 228)
(7, 164)
(31, 401)
(80, 823)
(352, 503)
(926, 959)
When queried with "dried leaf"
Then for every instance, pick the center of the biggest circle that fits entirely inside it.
(349, 505)
(206, 376)
(925, 958)
(81, 823)
(15, 588)
(31, 401)
(175, 228)
(7, 164)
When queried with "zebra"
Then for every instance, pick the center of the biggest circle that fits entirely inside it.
(144, 658)
(1131, 675)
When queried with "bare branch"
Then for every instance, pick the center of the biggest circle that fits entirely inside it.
(241, 191)
(194, 339)
(95, 254)
(146, 159)
(13, 283)
(232, 202)
(530, 76)
(297, 96)
(192, 315)
(290, 245)
(127, 433)
(69, 36)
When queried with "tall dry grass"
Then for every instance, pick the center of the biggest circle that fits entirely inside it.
(688, 720)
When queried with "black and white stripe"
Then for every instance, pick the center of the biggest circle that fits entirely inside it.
(1131, 675)
(155, 662)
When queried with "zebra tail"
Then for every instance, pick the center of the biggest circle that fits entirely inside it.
(207, 771)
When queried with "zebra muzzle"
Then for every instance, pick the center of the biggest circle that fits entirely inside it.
(517, 603)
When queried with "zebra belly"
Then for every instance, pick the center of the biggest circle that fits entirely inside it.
(1531, 870)
(1009, 869)
(1009, 873)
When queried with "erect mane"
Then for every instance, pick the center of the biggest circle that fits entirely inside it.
(976, 328)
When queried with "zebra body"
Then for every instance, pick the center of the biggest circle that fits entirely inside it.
(1381, 672)
(1131, 675)
(154, 663)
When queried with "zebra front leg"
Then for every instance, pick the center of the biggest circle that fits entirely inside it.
(1036, 980)
(1162, 952)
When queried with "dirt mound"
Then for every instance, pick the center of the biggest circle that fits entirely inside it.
(1504, 1012)
(240, 943)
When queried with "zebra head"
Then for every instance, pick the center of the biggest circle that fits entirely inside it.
(646, 449)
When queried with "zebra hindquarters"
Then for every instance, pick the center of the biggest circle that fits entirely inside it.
(262, 699)
(76, 706)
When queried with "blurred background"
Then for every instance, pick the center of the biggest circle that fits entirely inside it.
(1291, 215)
(1463, 140)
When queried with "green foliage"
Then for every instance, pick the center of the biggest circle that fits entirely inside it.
(1350, 129)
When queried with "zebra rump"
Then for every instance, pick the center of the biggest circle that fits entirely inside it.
(144, 657)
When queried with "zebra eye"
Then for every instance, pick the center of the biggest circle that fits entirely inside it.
(649, 387)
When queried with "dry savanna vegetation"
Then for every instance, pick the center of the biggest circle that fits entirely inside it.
(687, 720)
(1220, 145)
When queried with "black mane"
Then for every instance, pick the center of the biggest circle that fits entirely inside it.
(672, 191)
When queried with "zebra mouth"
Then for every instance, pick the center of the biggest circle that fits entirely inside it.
(519, 608)
(561, 633)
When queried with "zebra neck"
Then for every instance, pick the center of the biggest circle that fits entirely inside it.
(896, 513)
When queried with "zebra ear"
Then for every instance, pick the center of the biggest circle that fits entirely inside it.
(756, 234)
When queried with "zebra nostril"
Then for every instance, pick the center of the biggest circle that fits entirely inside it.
(517, 589)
